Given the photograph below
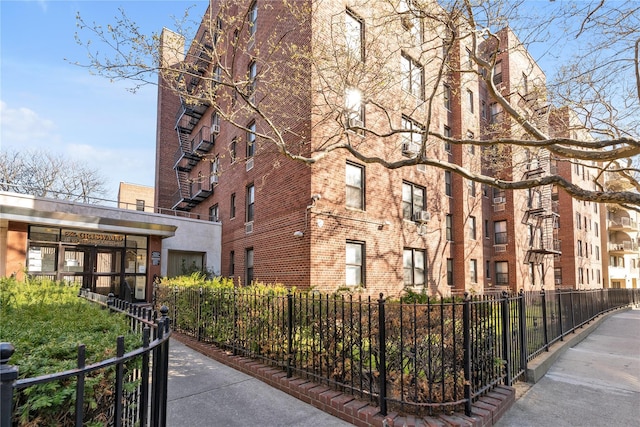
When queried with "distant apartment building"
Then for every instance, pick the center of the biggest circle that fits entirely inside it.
(135, 196)
(342, 222)
(622, 242)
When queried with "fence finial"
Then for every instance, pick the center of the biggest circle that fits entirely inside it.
(6, 351)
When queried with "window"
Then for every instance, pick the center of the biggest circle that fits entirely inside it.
(412, 78)
(483, 109)
(469, 58)
(449, 227)
(232, 208)
(215, 123)
(218, 31)
(502, 273)
(447, 97)
(354, 35)
(354, 179)
(580, 276)
(596, 227)
(472, 227)
(497, 73)
(472, 188)
(251, 139)
(354, 108)
(616, 261)
(470, 97)
(500, 230)
(232, 263)
(253, 18)
(473, 270)
(354, 263)
(525, 83)
(252, 72)
(251, 198)
(411, 19)
(413, 197)
(486, 228)
(249, 266)
(414, 266)
(447, 183)
(597, 253)
(487, 270)
(557, 275)
(471, 147)
(579, 245)
(447, 133)
(532, 274)
(214, 213)
(139, 205)
(450, 271)
(233, 149)
(414, 134)
(578, 220)
(217, 76)
(496, 109)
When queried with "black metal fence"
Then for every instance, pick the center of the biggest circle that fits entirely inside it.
(426, 358)
(139, 388)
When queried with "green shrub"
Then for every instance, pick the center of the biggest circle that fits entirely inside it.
(46, 321)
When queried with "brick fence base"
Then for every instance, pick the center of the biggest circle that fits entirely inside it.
(485, 413)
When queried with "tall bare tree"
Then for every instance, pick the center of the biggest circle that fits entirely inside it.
(45, 174)
(333, 74)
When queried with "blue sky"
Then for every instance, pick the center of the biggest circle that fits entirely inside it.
(49, 103)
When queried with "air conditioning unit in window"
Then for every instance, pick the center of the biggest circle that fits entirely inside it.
(410, 149)
(215, 129)
(422, 216)
(500, 248)
(355, 123)
(558, 281)
(213, 179)
(248, 227)
(249, 164)
(499, 200)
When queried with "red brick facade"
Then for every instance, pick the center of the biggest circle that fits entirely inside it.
(304, 241)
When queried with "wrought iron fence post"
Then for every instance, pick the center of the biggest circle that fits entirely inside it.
(506, 337)
(110, 300)
(80, 385)
(524, 351)
(382, 369)
(543, 296)
(559, 293)
(235, 323)
(573, 313)
(466, 326)
(289, 333)
(199, 323)
(8, 376)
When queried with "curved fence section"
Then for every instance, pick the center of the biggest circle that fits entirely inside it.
(415, 358)
(137, 379)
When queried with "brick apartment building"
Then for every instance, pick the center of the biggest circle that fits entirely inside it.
(341, 222)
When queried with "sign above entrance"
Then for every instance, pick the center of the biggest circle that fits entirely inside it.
(90, 238)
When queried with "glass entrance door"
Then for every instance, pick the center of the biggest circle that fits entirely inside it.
(107, 268)
(98, 269)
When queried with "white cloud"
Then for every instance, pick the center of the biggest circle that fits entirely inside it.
(24, 127)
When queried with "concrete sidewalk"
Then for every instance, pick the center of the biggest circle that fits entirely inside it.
(596, 383)
(204, 392)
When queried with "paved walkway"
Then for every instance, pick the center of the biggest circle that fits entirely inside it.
(596, 383)
(203, 392)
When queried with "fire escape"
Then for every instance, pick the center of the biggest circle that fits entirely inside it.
(541, 217)
(192, 148)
